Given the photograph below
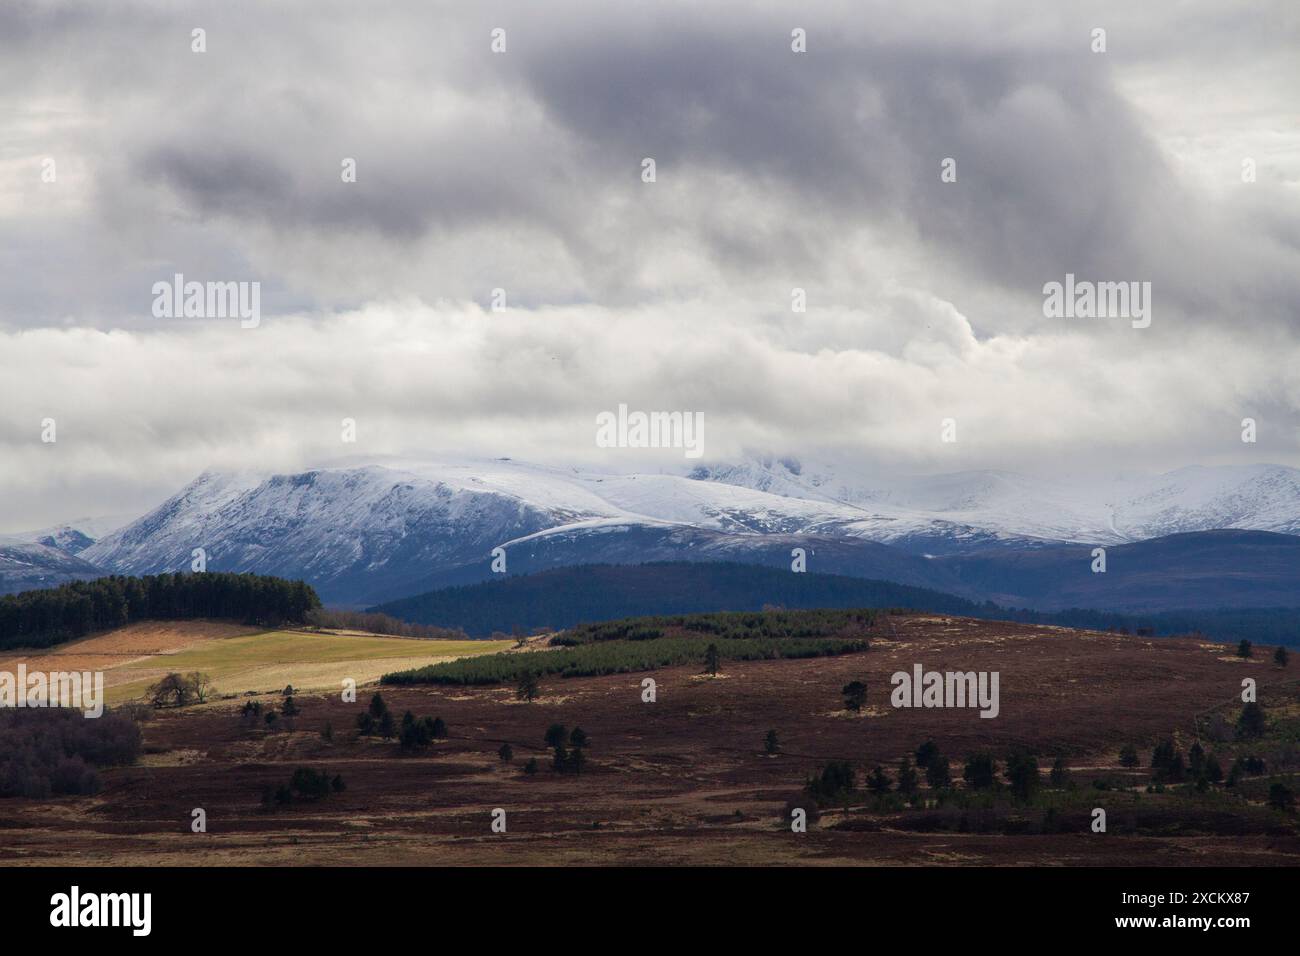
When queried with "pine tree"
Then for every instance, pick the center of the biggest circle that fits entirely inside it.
(908, 782)
(878, 781)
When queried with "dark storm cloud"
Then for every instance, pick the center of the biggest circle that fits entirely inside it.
(1055, 170)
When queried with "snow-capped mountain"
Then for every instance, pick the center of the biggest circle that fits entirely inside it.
(352, 532)
(27, 566)
(367, 531)
(1008, 505)
(71, 537)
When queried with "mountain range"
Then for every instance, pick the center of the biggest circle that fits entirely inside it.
(372, 531)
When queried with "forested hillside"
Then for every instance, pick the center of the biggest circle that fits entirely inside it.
(53, 615)
(566, 597)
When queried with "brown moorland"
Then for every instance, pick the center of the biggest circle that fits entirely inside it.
(685, 780)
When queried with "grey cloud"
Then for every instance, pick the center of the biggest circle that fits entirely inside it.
(522, 171)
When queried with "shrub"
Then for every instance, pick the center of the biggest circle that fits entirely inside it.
(1280, 797)
(309, 784)
(1022, 774)
(937, 773)
(306, 784)
(908, 782)
(1213, 772)
(527, 686)
(837, 781)
(55, 751)
(925, 753)
(1252, 723)
(855, 695)
(413, 735)
(1060, 776)
(878, 781)
(980, 772)
(1167, 762)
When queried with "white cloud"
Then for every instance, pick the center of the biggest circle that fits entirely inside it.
(819, 171)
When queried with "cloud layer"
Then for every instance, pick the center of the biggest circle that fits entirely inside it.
(522, 171)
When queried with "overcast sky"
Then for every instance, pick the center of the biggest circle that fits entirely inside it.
(522, 170)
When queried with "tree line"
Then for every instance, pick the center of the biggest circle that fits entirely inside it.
(54, 615)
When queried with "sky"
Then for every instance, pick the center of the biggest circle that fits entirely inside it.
(127, 157)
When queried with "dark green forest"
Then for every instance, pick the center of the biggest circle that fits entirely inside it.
(600, 592)
(569, 596)
(53, 615)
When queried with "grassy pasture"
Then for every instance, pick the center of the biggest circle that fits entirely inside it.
(307, 661)
(238, 660)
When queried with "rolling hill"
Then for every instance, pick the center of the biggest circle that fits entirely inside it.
(564, 597)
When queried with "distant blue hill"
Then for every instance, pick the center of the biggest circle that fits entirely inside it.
(579, 594)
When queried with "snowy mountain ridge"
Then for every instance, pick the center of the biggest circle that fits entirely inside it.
(369, 528)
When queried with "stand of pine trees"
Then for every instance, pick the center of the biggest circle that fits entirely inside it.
(54, 615)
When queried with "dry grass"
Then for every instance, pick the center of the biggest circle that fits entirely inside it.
(240, 659)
